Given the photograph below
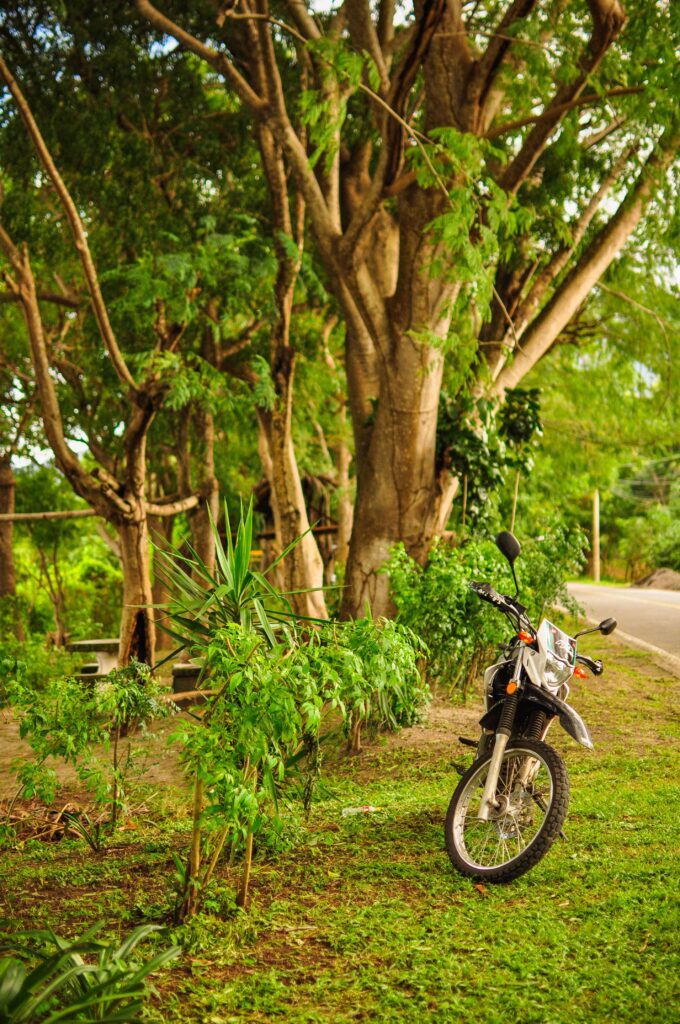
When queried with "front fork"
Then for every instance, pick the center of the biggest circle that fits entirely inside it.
(503, 734)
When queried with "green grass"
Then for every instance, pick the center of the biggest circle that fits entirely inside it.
(364, 919)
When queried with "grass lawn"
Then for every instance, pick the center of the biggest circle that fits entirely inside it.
(363, 918)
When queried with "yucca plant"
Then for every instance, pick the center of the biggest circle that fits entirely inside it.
(50, 982)
(205, 601)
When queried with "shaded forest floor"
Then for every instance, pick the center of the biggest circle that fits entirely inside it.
(362, 918)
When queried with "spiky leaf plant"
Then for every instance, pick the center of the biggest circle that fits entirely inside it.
(205, 601)
(48, 980)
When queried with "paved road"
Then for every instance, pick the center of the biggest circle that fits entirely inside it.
(650, 615)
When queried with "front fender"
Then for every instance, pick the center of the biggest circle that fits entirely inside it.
(570, 720)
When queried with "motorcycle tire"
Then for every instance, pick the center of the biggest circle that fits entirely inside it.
(523, 827)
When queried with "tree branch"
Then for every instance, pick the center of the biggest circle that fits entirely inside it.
(173, 508)
(29, 517)
(608, 20)
(561, 109)
(528, 307)
(101, 496)
(364, 37)
(602, 251)
(212, 57)
(303, 19)
(605, 132)
(488, 66)
(68, 301)
(77, 229)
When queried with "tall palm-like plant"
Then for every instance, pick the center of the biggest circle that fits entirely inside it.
(205, 601)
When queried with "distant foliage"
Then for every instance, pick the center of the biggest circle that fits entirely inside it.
(479, 444)
(436, 602)
(29, 663)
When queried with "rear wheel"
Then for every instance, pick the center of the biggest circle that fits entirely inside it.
(533, 796)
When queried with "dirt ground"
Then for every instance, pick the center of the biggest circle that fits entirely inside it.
(157, 761)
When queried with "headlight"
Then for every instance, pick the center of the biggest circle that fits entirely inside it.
(556, 672)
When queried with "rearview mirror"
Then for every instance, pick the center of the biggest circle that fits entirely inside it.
(607, 626)
(508, 545)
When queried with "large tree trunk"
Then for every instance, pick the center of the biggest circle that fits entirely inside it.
(395, 426)
(396, 480)
(137, 628)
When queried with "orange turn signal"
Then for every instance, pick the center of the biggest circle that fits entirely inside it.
(511, 687)
(580, 673)
(526, 638)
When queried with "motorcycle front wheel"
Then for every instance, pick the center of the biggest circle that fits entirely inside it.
(532, 796)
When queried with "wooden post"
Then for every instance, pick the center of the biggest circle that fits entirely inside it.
(514, 502)
(595, 543)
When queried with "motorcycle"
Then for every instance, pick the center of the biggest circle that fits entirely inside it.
(510, 805)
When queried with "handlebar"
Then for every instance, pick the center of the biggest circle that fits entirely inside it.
(487, 593)
(501, 601)
(594, 664)
(511, 606)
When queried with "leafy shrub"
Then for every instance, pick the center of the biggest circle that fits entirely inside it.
(49, 980)
(272, 680)
(70, 718)
(379, 678)
(460, 631)
(263, 721)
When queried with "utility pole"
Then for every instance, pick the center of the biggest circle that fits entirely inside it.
(595, 540)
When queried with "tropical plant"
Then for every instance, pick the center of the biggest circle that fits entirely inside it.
(49, 979)
(272, 678)
(203, 601)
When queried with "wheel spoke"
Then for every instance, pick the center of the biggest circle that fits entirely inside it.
(523, 807)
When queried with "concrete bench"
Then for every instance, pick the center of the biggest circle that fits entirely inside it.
(104, 653)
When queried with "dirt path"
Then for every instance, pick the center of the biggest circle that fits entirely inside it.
(158, 761)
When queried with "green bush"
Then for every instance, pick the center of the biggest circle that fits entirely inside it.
(30, 664)
(84, 724)
(460, 631)
(272, 680)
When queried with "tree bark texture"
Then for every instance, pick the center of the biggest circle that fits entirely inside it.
(160, 532)
(137, 627)
(8, 578)
(302, 568)
(202, 532)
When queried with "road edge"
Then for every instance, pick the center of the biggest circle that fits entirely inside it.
(662, 658)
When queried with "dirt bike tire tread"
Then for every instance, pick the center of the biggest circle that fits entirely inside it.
(551, 828)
